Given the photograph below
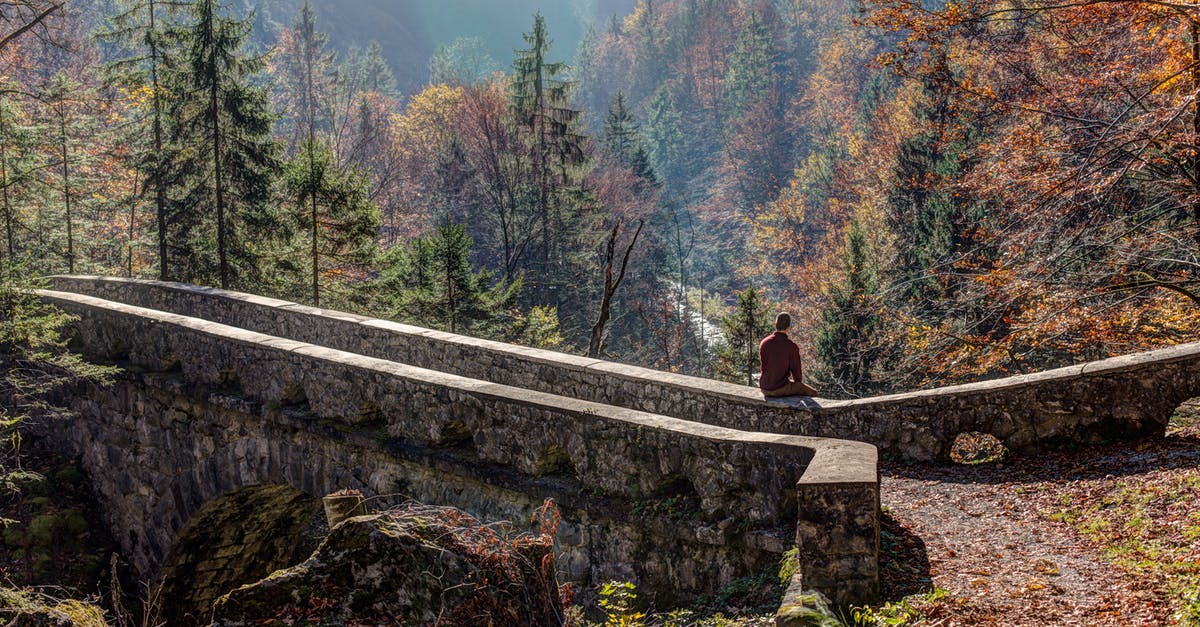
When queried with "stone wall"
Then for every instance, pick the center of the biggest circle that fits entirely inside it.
(680, 507)
(1126, 396)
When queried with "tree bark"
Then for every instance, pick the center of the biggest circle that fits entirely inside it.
(610, 285)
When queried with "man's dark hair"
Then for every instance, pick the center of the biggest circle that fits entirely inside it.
(783, 321)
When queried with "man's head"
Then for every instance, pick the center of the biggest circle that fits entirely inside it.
(783, 321)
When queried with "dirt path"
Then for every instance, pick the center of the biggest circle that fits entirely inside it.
(1098, 536)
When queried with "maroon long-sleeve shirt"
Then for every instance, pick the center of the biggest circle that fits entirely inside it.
(778, 358)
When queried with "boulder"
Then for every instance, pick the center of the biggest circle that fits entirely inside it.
(415, 565)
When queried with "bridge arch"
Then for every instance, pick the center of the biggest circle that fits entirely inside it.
(236, 539)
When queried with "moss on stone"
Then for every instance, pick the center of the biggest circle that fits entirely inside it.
(27, 609)
(412, 567)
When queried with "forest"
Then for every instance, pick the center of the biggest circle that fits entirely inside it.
(937, 193)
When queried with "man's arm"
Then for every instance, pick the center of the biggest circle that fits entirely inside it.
(798, 373)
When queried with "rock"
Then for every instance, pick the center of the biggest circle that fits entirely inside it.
(416, 565)
(22, 609)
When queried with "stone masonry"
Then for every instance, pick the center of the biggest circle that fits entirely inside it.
(1124, 396)
(680, 507)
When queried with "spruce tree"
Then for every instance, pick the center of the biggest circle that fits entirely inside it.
(431, 282)
(622, 140)
(749, 76)
(464, 61)
(665, 133)
(307, 79)
(332, 208)
(737, 356)
(372, 73)
(147, 36)
(846, 344)
(225, 159)
(19, 164)
(540, 102)
(932, 218)
(67, 120)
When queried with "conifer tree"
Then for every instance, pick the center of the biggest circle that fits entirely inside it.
(431, 282)
(929, 215)
(308, 78)
(540, 99)
(749, 77)
(19, 163)
(464, 61)
(737, 356)
(225, 159)
(67, 120)
(332, 208)
(373, 74)
(846, 344)
(665, 134)
(146, 32)
(623, 141)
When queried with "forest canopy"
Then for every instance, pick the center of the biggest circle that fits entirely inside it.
(938, 193)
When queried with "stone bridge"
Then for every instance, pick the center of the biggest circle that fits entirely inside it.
(678, 483)
(215, 421)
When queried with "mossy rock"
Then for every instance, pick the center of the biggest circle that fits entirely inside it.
(23, 609)
(43, 529)
(74, 523)
(412, 567)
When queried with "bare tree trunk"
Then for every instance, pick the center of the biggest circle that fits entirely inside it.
(160, 197)
(1196, 127)
(66, 176)
(214, 118)
(132, 220)
(8, 210)
(610, 285)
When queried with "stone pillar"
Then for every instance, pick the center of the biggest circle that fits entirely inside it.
(837, 534)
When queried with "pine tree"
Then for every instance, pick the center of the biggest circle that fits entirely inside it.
(539, 99)
(145, 30)
(431, 282)
(225, 159)
(846, 344)
(737, 356)
(332, 208)
(623, 141)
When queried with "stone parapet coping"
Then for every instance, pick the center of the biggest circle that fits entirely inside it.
(1087, 402)
(708, 387)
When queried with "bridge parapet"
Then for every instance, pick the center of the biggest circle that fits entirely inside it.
(1125, 396)
(747, 486)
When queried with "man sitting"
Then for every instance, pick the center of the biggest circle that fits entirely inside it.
(779, 359)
